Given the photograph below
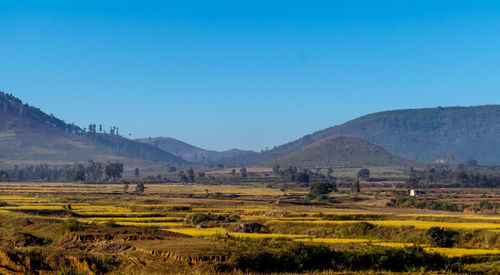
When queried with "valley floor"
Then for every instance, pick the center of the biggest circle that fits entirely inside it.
(66, 228)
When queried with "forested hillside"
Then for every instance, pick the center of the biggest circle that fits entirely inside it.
(457, 133)
(340, 151)
(29, 135)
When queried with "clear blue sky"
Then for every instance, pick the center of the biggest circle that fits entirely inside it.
(246, 74)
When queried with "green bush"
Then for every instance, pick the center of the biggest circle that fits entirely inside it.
(70, 225)
(111, 223)
(390, 259)
(258, 256)
(441, 237)
(251, 256)
(321, 190)
(202, 218)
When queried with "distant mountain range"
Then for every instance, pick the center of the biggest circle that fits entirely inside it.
(28, 135)
(427, 135)
(189, 152)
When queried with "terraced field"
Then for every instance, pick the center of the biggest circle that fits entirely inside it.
(211, 222)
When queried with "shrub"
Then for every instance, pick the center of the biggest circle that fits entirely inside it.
(70, 225)
(440, 237)
(321, 189)
(202, 218)
(251, 256)
(258, 256)
(111, 223)
(391, 259)
(364, 174)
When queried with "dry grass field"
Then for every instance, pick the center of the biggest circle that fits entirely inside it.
(181, 228)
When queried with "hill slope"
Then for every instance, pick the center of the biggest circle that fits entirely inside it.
(29, 135)
(189, 152)
(420, 134)
(339, 151)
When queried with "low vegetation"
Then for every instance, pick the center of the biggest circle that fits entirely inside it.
(330, 221)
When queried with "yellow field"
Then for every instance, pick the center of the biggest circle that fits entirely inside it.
(459, 252)
(153, 224)
(168, 213)
(135, 219)
(467, 216)
(415, 223)
(334, 240)
(203, 232)
(207, 232)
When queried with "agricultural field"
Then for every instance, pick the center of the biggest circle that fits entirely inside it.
(176, 228)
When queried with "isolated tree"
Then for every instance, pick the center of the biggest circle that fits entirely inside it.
(125, 188)
(233, 172)
(79, 172)
(276, 169)
(182, 177)
(190, 174)
(364, 174)
(356, 188)
(303, 178)
(321, 189)
(243, 172)
(292, 170)
(140, 188)
(114, 170)
(94, 170)
(136, 172)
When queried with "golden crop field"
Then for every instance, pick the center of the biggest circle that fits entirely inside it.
(208, 232)
(414, 223)
(168, 208)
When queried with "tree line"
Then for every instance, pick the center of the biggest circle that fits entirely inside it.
(93, 172)
(462, 175)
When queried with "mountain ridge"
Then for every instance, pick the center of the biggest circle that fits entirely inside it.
(28, 134)
(426, 134)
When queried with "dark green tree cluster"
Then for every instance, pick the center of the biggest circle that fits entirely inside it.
(243, 172)
(113, 170)
(457, 176)
(94, 171)
(364, 174)
(262, 257)
(441, 237)
(182, 177)
(321, 190)
(75, 172)
(10, 104)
